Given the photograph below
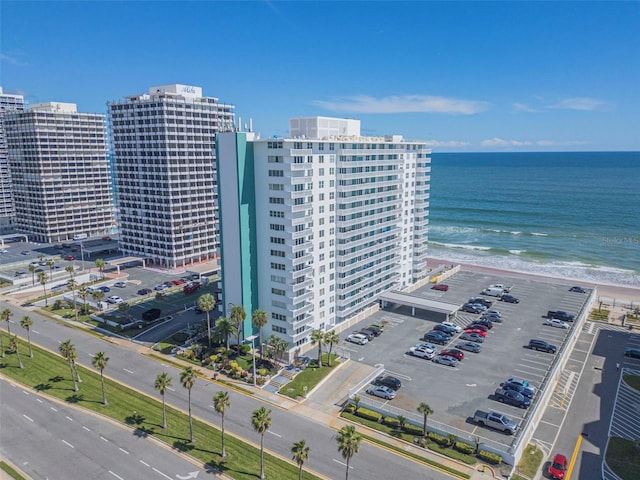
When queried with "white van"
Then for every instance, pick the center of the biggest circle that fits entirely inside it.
(493, 292)
(80, 236)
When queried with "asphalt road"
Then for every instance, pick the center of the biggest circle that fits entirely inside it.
(130, 367)
(48, 440)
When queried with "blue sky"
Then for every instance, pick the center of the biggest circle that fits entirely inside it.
(478, 76)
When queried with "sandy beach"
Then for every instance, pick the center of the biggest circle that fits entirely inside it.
(621, 294)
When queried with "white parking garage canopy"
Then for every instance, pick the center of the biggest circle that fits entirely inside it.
(416, 301)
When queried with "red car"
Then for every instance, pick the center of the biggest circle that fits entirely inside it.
(70, 258)
(558, 467)
(191, 287)
(476, 330)
(453, 352)
(177, 282)
(478, 326)
(441, 286)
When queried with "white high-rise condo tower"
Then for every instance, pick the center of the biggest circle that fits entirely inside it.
(164, 145)
(59, 172)
(8, 103)
(315, 227)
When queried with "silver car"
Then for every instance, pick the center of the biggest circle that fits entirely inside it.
(472, 337)
(446, 360)
(554, 322)
(470, 347)
(358, 339)
(382, 391)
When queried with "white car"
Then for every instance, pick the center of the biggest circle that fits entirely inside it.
(423, 351)
(4, 250)
(358, 338)
(554, 322)
(120, 284)
(114, 299)
(458, 328)
(160, 288)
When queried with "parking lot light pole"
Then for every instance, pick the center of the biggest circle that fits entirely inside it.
(252, 339)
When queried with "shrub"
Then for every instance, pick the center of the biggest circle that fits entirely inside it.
(368, 414)
(349, 408)
(439, 439)
(464, 448)
(262, 371)
(57, 305)
(244, 349)
(490, 457)
(391, 422)
(448, 452)
(412, 429)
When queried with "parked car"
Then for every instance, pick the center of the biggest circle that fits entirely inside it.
(472, 308)
(560, 315)
(480, 301)
(457, 328)
(160, 288)
(436, 337)
(484, 322)
(441, 287)
(104, 288)
(177, 282)
(376, 331)
(507, 297)
(478, 326)
(114, 299)
(493, 291)
(527, 392)
(496, 420)
(367, 333)
(191, 287)
(445, 329)
(577, 289)
(632, 353)
(25, 252)
(424, 350)
(479, 331)
(453, 352)
(120, 284)
(19, 273)
(357, 338)
(541, 345)
(383, 392)
(492, 315)
(144, 291)
(106, 238)
(470, 347)
(554, 322)
(472, 337)
(35, 264)
(388, 381)
(511, 397)
(446, 360)
(558, 467)
(379, 326)
(71, 258)
(520, 381)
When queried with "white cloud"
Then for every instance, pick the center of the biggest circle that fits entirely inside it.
(404, 104)
(521, 107)
(579, 103)
(12, 59)
(555, 143)
(446, 143)
(500, 142)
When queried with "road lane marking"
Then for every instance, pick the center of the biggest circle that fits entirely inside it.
(123, 450)
(128, 371)
(13, 385)
(25, 392)
(36, 332)
(68, 418)
(91, 355)
(574, 457)
(86, 428)
(68, 444)
(39, 400)
(274, 433)
(54, 409)
(341, 463)
(160, 473)
(144, 463)
(115, 475)
(28, 418)
(171, 389)
(101, 437)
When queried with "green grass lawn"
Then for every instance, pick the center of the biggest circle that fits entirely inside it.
(530, 461)
(596, 314)
(623, 457)
(49, 373)
(309, 377)
(10, 471)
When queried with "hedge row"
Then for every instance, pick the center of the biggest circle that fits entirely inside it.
(368, 414)
(490, 457)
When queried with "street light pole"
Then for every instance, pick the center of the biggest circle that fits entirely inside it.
(252, 339)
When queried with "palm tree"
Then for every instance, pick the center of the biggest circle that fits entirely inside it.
(32, 270)
(6, 315)
(300, 453)
(26, 323)
(13, 345)
(69, 268)
(317, 337)
(261, 421)
(402, 421)
(225, 328)
(51, 264)
(425, 410)
(98, 296)
(73, 356)
(163, 382)
(206, 303)
(100, 265)
(238, 316)
(83, 293)
(100, 361)
(348, 444)
(65, 348)
(220, 404)
(259, 320)
(188, 379)
(331, 338)
(72, 285)
(42, 278)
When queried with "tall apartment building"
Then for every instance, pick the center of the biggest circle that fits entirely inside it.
(315, 227)
(59, 172)
(164, 145)
(8, 103)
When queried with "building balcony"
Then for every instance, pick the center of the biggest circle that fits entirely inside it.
(299, 309)
(295, 338)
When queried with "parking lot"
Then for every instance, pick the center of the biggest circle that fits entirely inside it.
(455, 393)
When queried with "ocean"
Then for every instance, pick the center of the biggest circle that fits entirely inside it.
(574, 215)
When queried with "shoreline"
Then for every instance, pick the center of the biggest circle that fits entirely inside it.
(618, 292)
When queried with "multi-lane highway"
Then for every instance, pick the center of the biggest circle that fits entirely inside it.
(49, 440)
(130, 367)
